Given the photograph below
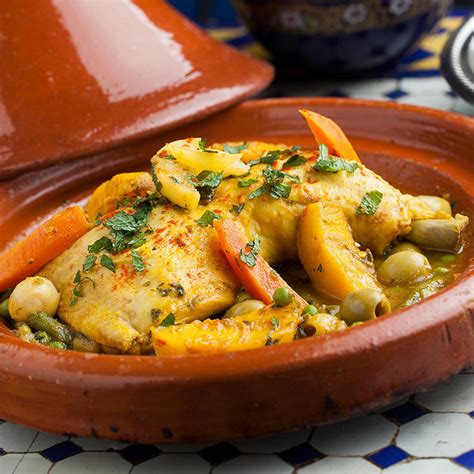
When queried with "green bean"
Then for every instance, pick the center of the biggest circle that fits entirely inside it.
(4, 309)
(43, 322)
(82, 343)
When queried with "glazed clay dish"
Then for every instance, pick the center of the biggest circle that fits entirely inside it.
(145, 308)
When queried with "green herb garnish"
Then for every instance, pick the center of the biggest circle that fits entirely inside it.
(107, 262)
(202, 146)
(168, 321)
(370, 202)
(137, 261)
(207, 218)
(242, 183)
(333, 164)
(89, 262)
(295, 160)
(274, 184)
(104, 243)
(234, 149)
(250, 257)
(237, 209)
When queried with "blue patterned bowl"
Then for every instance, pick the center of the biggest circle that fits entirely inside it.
(340, 37)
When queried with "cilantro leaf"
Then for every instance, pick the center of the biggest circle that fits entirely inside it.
(258, 192)
(237, 209)
(333, 164)
(370, 202)
(246, 183)
(250, 258)
(208, 178)
(279, 190)
(168, 321)
(77, 278)
(107, 262)
(122, 222)
(234, 149)
(104, 243)
(202, 146)
(295, 160)
(137, 261)
(89, 262)
(207, 218)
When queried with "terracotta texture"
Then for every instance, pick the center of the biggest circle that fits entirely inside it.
(312, 381)
(79, 76)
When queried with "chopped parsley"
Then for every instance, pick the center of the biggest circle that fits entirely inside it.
(295, 160)
(234, 149)
(237, 209)
(107, 262)
(104, 243)
(370, 202)
(246, 183)
(250, 257)
(89, 262)
(333, 164)
(137, 261)
(168, 321)
(275, 322)
(202, 147)
(206, 183)
(77, 291)
(207, 218)
(274, 184)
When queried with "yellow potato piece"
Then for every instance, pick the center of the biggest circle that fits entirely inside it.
(174, 184)
(329, 254)
(121, 186)
(266, 326)
(187, 152)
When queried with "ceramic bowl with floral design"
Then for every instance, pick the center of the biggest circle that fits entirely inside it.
(340, 36)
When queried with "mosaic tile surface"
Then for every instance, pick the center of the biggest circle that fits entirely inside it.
(430, 433)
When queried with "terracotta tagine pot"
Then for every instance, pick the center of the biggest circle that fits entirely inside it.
(312, 381)
(79, 76)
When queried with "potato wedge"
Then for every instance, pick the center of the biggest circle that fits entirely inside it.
(188, 153)
(124, 185)
(266, 326)
(174, 183)
(329, 254)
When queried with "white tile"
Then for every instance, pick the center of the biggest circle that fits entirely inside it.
(248, 463)
(92, 463)
(455, 395)
(437, 435)
(273, 444)
(183, 448)
(434, 100)
(354, 437)
(426, 466)
(462, 107)
(182, 463)
(15, 438)
(97, 444)
(370, 89)
(46, 440)
(33, 464)
(425, 85)
(337, 465)
(8, 462)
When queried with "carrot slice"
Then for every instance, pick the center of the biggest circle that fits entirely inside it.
(329, 133)
(260, 281)
(47, 241)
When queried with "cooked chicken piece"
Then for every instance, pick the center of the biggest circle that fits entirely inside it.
(186, 273)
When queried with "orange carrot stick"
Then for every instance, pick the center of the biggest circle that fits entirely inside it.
(260, 281)
(47, 241)
(329, 133)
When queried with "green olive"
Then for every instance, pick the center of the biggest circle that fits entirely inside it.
(402, 246)
(363, 305)
(282, 297)
(404, 267)
(439, 234)
(435, 203)
(243, 307)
